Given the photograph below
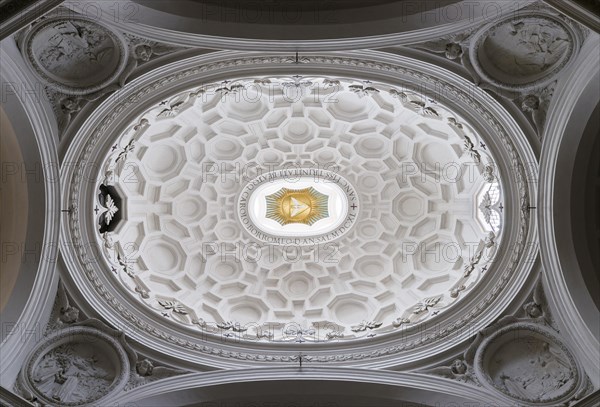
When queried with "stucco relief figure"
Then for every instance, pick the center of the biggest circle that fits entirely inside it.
(535, 105)
(71, 50)
(542, 44)
(73, 373)
(537, 309)
(535, 369)
(525, 48)
(68, 107)
(144, 367)
(69, 315)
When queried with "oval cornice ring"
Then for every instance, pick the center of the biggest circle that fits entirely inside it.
(515, 159)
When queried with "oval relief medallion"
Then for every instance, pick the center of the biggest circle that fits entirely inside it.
(77, 366)
(524, 51)
(528, 362)
(298, 206)
(76, 55)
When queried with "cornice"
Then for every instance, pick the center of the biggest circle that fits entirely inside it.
(330, 374)
(25, 15)
(11, 399)
(372, 65)
(589, 401)
(576, 12)
(566, 310)
(107, 14)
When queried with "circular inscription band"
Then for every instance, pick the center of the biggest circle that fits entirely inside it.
(302, 206)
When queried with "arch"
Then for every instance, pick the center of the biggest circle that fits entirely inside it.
(307, 384)
(573, 306)
(38, 145)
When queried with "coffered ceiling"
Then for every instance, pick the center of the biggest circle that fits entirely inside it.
(184, 177)
(262, 196)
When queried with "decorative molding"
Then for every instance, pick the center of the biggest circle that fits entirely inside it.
(84, 363)
(549, 375)
(521, 71)
(574, 310)
(395, 381)
(81, 60)
(78, 365)
(43, 289)
(520, 234)
(591, 400)
(10, 399)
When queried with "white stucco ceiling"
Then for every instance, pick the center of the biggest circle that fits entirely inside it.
(426, 216)
(370, 212)
(177, 151)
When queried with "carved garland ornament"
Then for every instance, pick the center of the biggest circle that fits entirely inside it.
(119, 108)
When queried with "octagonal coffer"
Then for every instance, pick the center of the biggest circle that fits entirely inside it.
(298, 206)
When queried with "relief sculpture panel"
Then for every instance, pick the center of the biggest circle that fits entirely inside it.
(74, 372)
(75, 55)
(529, 366)
(82, 364)
(527, 361)
(523, 51)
